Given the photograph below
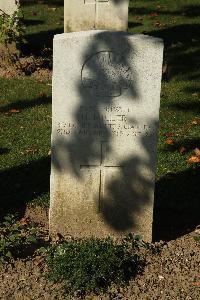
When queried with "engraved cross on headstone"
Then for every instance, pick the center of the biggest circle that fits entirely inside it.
(96, 3)
(102, 166)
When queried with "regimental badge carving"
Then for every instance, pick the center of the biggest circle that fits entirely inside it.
(106, 74)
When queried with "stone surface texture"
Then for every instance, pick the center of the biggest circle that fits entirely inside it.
(82, 15)
(106, 97)
(9, 6)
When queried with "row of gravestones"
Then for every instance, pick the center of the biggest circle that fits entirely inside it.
(86, 14)
(106, 97)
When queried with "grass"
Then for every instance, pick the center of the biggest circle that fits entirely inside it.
(25, 135)
(25, 128)
(177, 192)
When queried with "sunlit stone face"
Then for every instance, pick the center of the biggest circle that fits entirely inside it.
(105, 118)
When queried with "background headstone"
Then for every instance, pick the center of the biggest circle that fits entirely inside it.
(105, 117)
(9, 6)
(82, 15)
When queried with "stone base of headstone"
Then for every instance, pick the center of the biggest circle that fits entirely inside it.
(106, 97)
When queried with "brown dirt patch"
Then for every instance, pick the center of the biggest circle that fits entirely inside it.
(38, 215)
(171, 273)
(37, 67)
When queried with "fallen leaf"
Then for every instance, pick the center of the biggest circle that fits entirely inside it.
(197, 152)
(38, 260)
(182, 150)
(168, 134)
(52, 8)
(194, 159)
(139, 18)
(29, 150)
(14, 110)
(24, 221)
(153, 14)
(196, 283)
(42, 95)
(195, 121)
(157, 24)
(169, 142)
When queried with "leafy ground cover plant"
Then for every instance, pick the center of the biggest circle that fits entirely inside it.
(92, 265)
(197, 234)
(16, 237)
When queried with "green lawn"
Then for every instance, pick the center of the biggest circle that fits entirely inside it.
(25, 111)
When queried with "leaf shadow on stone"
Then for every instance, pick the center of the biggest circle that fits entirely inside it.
(125, 198)
(131, 191)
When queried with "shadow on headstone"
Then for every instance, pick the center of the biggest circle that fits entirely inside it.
(105, 76)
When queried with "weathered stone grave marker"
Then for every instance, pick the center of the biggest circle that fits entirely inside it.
(9, 6)
(105, 116)
(102, 166)
(96, 4)
(95, 14)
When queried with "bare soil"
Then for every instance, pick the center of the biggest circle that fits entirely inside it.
(14, 66)
(173, 272)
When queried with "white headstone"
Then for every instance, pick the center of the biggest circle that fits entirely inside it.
(106, 97)
(82, 15)
(8, 6)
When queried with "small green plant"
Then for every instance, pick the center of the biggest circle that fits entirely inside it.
(15, 236)
(11, 34)
(196, 238)
(92, 265)
(11, 28)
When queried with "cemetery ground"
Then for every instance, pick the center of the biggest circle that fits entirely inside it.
(172, 265)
